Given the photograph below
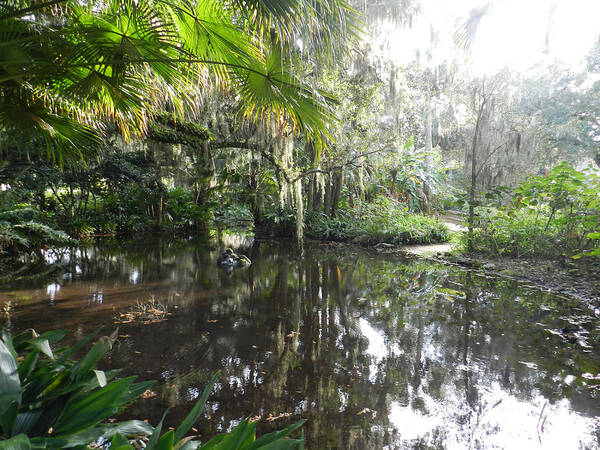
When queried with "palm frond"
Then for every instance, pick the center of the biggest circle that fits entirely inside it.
(65, 68)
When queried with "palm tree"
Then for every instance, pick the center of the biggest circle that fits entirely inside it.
(68, 70)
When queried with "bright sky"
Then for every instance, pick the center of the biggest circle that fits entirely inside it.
(512, 33)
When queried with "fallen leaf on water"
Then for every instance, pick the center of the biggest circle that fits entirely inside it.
(531, 365)
(367, 411)
(271, 418)
(589, 376)
(148, 394)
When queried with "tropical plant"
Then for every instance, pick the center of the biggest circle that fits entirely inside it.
(24, 229)
(550, 216)
(68, 68)
(50, 401)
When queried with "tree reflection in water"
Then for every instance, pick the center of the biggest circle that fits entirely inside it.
(373, 350)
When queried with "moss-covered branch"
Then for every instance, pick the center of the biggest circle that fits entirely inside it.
(168, 129)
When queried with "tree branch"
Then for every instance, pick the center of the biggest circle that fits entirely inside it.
(250, 146)
(332, 168)
(25, 11)
(489, 156)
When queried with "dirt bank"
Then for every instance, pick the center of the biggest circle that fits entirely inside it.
(580, 279)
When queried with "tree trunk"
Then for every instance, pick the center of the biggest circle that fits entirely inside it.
(471, 219)
(428, 152)
(327, 200)
(310, 189)
(336, 190)
(159, 207)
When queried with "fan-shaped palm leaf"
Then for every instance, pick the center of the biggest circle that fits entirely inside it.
(61, 73)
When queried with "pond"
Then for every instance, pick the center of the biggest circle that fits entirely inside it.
(374, 350)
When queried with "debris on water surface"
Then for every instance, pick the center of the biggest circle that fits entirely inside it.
(145, 313)
(148, 394)
(271, 418)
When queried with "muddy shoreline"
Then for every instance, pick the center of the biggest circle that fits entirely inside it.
(581, 280)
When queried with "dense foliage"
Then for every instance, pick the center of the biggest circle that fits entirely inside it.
(125, 117)
(548, 216)
(382, 221)
(75, 71)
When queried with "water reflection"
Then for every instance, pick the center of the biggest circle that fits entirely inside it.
(374, 351)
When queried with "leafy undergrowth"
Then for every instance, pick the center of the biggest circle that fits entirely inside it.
(50, 401)
(24, 229)
(555, 216)
(383, 221)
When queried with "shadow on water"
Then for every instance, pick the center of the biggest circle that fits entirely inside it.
(373, 350)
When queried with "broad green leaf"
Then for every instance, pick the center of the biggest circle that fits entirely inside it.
(130, 428)
(243, 434)
(54, 336)
(10, 389)
(213, 442)
(134, 391)
(275, 435)
(19, 442)
(93, 408)
(8, 341)
(192, 445)
(9, 374)
(25, 421)
(9, 409)
(166, 441)
(196, 411)
(78, 345)
(155, 436)
(89, 361)
(43, 346)
(284, 444)
(28, 364)
(119, 442)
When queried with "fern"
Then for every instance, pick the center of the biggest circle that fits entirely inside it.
(21, 230)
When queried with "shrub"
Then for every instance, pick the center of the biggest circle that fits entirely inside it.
(280, 221)
(181, 211)
(550, 216)
(24, 229)
(383, 220)
(234, 215)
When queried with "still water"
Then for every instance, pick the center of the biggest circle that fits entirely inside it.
(375, 351)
